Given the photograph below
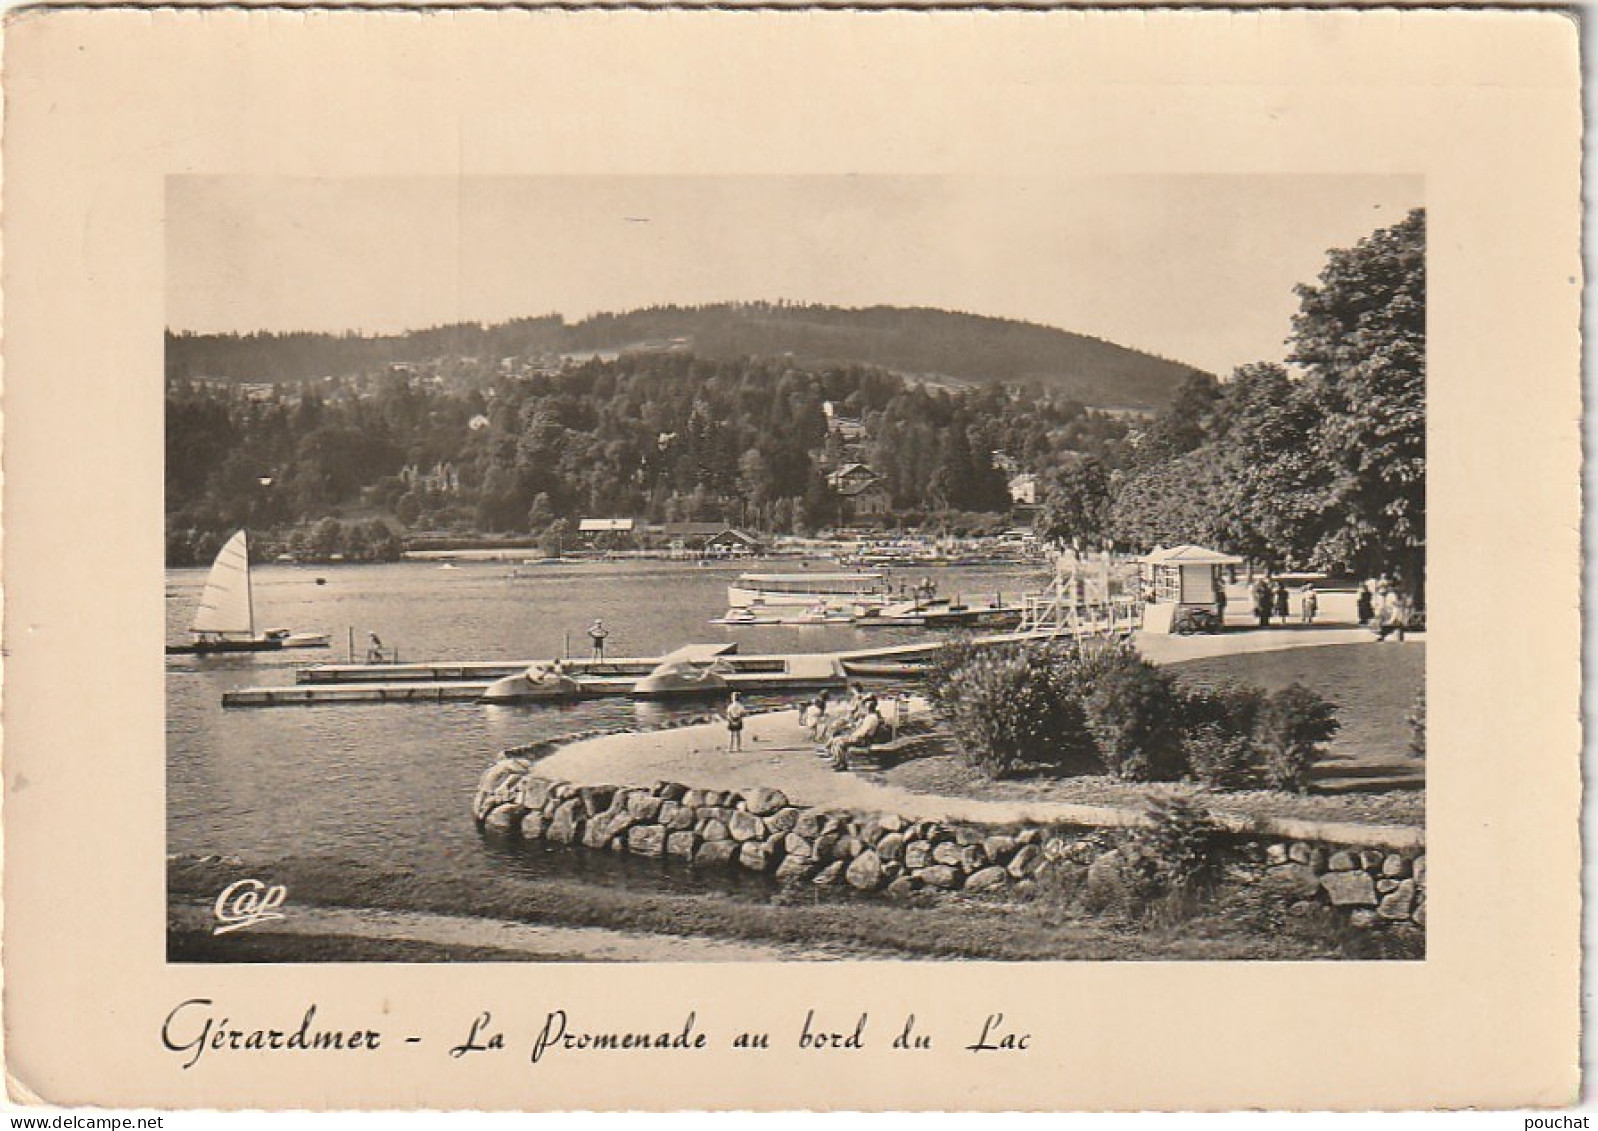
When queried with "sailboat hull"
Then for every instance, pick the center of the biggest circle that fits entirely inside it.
(259, 644)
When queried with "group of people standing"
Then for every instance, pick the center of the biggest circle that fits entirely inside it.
(1385, 607)
(1271, 600)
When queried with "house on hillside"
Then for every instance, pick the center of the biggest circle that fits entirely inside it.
(864, 493)
(847, 428)
(850, 477)
(1024, 489)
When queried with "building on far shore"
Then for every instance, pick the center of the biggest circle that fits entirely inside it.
(862, 491)
(709, 539)
(606, 531)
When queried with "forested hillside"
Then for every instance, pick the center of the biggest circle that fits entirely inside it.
(663, 436)
(943, 345)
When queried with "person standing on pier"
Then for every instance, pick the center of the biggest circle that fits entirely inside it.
(597, 635)
(735, 724)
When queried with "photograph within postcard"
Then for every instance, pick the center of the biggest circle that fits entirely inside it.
(786, 568)
(765, 561)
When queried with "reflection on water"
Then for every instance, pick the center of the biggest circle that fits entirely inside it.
(394, 781)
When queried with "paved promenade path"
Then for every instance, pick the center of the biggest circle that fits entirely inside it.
(778, 753)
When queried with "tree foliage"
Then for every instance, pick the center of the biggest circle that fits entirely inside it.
(664, 436)
(1323, 468)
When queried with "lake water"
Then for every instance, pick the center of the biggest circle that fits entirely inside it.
(394, 781)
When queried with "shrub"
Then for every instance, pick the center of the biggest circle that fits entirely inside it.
(1007, 707)
(1289, 733)
(1130, 708)
(1219, 757)
(1177, 852)
(1218, 725)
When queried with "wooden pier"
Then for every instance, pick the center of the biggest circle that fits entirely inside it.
(456, 682)
(464, 681)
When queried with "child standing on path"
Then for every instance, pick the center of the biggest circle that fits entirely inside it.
(735, 724)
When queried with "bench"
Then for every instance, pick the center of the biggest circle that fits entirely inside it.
(888, 752)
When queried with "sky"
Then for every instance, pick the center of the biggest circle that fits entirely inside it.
(1199, 269)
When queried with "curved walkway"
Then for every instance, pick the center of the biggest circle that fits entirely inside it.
(778, 754)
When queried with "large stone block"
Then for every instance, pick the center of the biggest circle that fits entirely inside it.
(533, 826)
(809, 823)
(1399, 903)
(535, 791)
(755, 856)
(999, 847)
(1291, 881)
(973, 858)
(566, 827)
(746, 826)
(1026, 861)
(505, 820)
(946, 852)
(1343, 862)
(848, 847)
(865, 871)
(715, 853)
(715, 830)
(682, 845)
(596, 832)
(902, 888)
(984, 879)
(647, 840)
(783, 820)
(891, 846)
(1395, 866)
(939, 876)
(681, 820)
(1350, 889)
(917, 854)
(831, 874)
(794, 870)
(595, 798)
(644, 806)
(762, 801)
(670, 790)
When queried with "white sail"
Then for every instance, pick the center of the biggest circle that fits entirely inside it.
(226, 607)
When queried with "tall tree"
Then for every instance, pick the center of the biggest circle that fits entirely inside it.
(1360, 334)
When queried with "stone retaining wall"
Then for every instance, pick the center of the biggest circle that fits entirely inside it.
(758, 830)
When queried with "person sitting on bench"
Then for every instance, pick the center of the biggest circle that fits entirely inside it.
(868, 731)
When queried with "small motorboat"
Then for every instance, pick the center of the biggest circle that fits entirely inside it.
(539, 681)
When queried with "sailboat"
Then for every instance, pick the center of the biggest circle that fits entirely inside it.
(225, 621)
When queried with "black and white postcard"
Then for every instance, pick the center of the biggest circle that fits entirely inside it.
(773, 560)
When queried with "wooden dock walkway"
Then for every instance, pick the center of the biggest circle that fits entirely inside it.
(456, 682)
(443, 681)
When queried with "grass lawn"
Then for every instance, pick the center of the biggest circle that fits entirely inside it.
(1369, 776)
